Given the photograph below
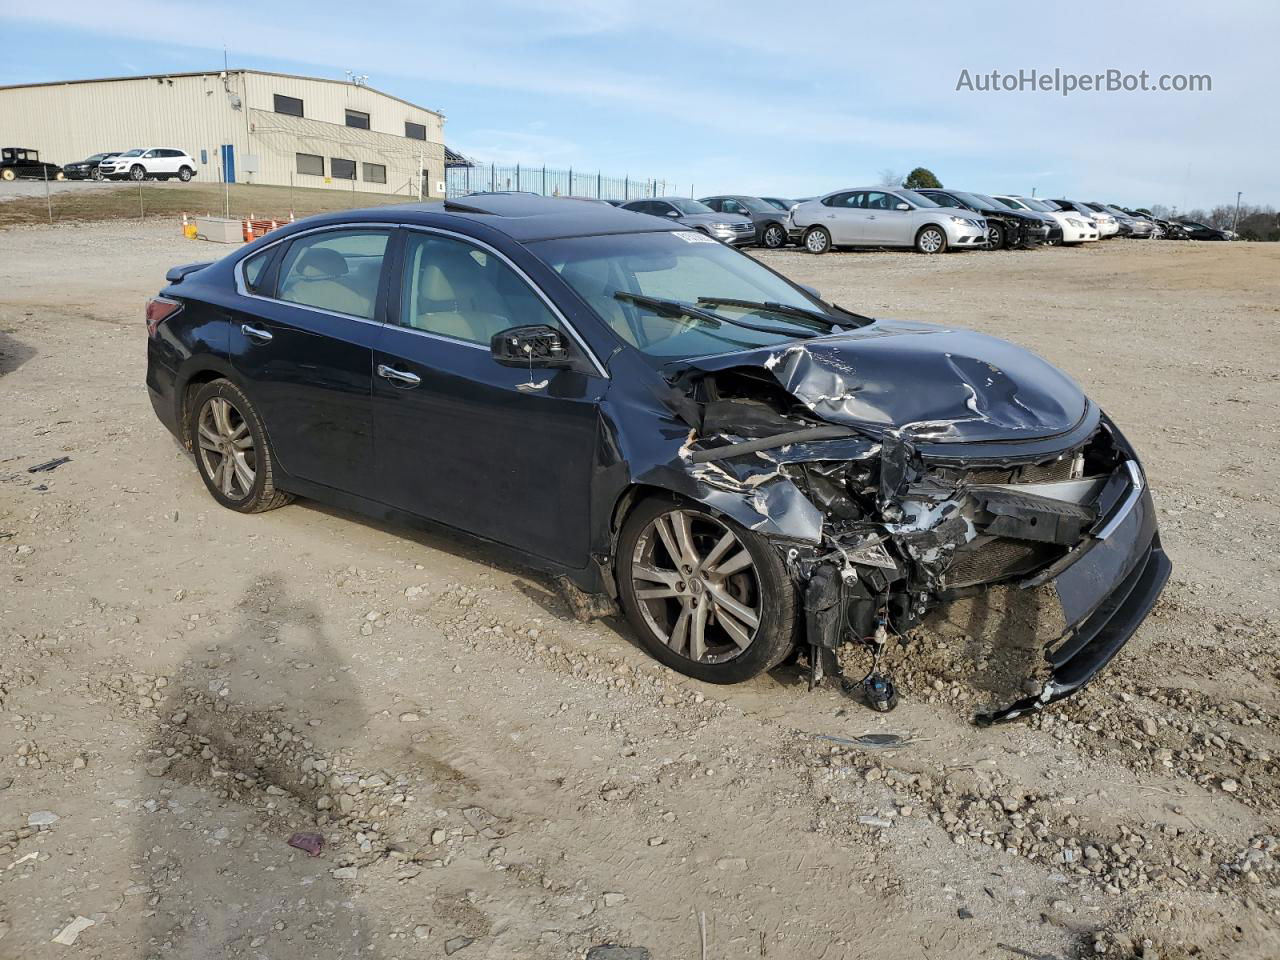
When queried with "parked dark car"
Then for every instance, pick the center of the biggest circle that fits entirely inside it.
(1201, 231)
(1006, 227)
(661, 421)
(88, 168)
(731, 228)
(18, 162)
(782, 203)
(770, 222)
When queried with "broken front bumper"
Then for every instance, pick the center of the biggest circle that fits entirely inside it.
(1107, 585)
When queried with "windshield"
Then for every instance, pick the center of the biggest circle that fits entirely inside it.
(132, 153)
(992, 202)
(682, 266)
(755, 204)
(972, 199)
(689, 206)
(779, 202)
(1037, 204)
(919, 199)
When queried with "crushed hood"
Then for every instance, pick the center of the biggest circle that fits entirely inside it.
(929, 383)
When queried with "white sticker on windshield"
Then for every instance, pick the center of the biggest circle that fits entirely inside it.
(692, 236)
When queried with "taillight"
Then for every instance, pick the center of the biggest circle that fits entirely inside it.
(160, 309)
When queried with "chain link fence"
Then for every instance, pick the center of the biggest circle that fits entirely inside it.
(475, 177)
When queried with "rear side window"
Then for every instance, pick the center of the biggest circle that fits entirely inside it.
(454, 289)
(336, 271)
(254, 270)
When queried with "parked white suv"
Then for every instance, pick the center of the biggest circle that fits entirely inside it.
(159, 163)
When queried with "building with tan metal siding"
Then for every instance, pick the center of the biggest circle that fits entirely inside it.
(249, 126)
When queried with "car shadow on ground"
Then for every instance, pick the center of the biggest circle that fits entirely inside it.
(13, 352)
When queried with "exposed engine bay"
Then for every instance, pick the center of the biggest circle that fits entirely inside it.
(884, 521)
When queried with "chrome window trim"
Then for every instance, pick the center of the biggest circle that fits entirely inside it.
(243, 290)
(538, 291)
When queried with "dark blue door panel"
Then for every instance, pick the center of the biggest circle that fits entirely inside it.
(311, 385)
(467, 447)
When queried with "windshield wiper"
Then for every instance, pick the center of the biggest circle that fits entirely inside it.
(676, 308)
(787, 310)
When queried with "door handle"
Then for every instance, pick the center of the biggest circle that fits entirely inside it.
(399, 376)
(255, 333)
(871, 216)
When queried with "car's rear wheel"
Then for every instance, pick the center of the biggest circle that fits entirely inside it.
(774, 236)
(137, 172)
(184, 174)
(59, 175)
(931, 239)
(231, 449)
(707, 597)
(816, 240)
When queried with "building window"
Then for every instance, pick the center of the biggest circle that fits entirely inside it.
(341, 169)
(357, 119)
(375, 173)
(415, 131)
(310, 164)
(290, 105)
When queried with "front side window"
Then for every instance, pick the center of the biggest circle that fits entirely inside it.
(680, 266)
(341, 169)
(375, 173)
(336, 271)
(454, 289)
(358, 119)
(291, 106)
(310, 164)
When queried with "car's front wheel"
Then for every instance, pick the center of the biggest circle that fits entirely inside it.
(995, 236)
(707, 597)
(137, 172)
(774, 236)
(231, 449)
(931, 239)
(817, 240)
(7, 175)
(97, 174)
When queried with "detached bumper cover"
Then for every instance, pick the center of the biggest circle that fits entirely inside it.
(1106, 587)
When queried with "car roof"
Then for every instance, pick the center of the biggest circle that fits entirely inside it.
(524, 217)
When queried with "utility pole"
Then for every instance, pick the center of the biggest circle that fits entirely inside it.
(1236, 218)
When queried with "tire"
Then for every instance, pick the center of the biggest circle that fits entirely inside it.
(931, 239)
(60, 176)
(185, 174)
(774, 236)
(816, 240)
(733, 650)
(137, 172)
(8, 175)
(995, 236)
(221, 418)
(97, 174)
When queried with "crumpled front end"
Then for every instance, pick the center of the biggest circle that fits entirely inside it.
(881, 521)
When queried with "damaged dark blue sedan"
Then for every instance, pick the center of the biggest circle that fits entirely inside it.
(663, 423)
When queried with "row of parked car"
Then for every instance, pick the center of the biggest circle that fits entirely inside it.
(142, 163)
(930, 220)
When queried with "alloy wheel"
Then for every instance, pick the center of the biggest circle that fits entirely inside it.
(993, 237)
(931, 241)
(226, 449)
(774, 236)
(815, 241)
(696, 586)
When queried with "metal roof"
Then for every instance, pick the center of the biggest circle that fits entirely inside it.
(214, 73)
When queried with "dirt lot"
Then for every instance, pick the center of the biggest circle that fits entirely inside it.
(182, 688)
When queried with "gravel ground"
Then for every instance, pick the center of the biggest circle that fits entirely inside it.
(184, 689)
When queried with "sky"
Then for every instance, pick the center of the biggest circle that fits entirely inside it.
(773, 98)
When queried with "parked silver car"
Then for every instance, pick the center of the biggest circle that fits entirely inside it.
(876, 217)
(771, 223)
(729, 228)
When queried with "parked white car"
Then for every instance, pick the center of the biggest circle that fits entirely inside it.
(1108, 226)
(877, 217)
(1075, 227)
(158, 163)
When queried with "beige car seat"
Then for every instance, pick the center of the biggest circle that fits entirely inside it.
(319, 279)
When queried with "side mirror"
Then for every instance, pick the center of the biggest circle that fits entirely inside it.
(903, 206)
(537, 345)
(673, 213)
